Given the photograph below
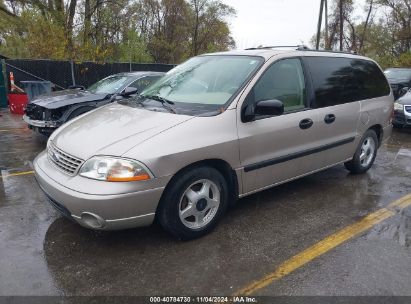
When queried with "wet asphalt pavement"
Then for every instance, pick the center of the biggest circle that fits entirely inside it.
(42, 253)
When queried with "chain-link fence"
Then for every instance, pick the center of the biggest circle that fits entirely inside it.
(63, 74)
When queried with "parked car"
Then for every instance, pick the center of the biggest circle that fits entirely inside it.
(399, 78)
(214, 129)
(48, 112)
(402, 111)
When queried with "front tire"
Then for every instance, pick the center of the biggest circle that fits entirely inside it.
(193, 203)
(365, 154)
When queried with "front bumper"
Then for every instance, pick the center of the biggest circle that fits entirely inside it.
(97, 211)
(41, 123)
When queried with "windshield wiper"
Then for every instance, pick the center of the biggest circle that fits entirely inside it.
(163, 101)
(158, 98)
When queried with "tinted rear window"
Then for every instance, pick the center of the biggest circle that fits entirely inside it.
(342, 80)
(371, 80)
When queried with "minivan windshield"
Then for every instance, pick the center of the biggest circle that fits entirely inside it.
(109, 85)
(398, 74)
(204, 83)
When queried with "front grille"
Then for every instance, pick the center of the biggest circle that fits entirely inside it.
(35, 112)
(408, 109)
(63, 161)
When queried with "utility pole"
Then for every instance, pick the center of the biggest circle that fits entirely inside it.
(326, 23)
(130, 57)
(341, 25)
(73, 78)
(320, 19)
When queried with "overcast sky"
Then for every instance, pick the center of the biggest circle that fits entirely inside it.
(275, 22)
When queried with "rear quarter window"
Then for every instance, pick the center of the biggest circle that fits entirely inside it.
(371, 80)
(343, 80)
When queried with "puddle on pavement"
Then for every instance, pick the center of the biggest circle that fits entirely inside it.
(404, 160)
(397, 228)
(16, 189)
(405, 152)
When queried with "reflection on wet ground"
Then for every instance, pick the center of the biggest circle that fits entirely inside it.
(42, 253)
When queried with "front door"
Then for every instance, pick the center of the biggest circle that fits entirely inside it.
(274, 149)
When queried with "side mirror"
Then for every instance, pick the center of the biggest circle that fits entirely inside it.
(403, 91)
(129, 91)
(269, 107)
(272, 107)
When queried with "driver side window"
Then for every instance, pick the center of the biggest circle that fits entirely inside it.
(284, 81)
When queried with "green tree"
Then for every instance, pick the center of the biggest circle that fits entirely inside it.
(133, 49)
(166, 31)
(209, 31)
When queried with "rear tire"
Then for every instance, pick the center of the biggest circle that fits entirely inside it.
(193, 203)
(365, 154)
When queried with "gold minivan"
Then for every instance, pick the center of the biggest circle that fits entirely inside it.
(214, 129)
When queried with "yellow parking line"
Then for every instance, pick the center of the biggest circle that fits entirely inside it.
(401, 203)
(326, 245)
(17, 174)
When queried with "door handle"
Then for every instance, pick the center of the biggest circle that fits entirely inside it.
(329, 118)
(306, 123)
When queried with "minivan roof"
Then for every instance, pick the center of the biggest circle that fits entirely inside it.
(270, 52)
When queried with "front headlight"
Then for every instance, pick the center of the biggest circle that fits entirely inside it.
(113, 169)
(398, 106)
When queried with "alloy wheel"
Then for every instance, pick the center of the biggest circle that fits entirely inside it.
(367, 151)
(199, 204)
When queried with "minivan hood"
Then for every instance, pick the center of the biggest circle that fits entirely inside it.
(67, 97)
(112, 130)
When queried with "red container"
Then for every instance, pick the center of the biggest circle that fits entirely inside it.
(17, 103)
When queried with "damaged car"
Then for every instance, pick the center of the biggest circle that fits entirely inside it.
(47, 113)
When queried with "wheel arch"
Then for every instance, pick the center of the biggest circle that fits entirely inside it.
(378, 129)
(220, 165)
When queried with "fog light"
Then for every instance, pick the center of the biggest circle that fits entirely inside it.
(92, 220)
